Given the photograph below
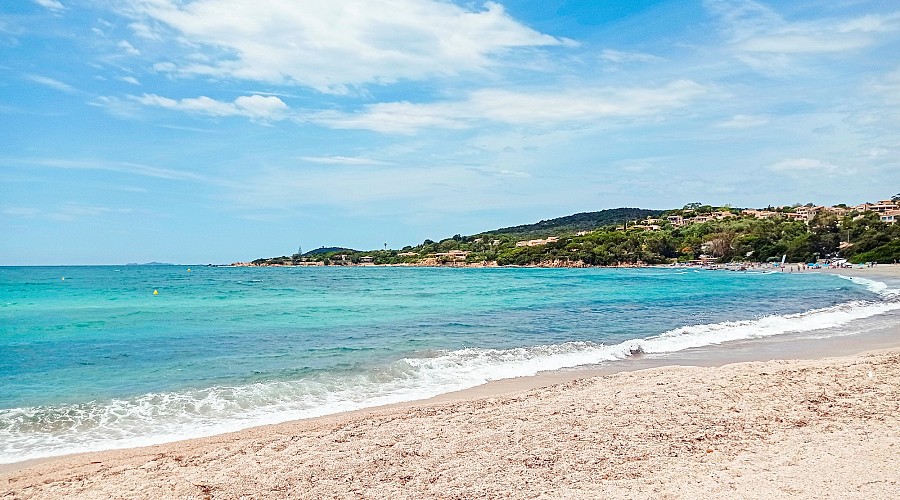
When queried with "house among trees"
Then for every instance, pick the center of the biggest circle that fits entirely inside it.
(535, 243)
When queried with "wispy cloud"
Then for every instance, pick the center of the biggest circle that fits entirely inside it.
(344, 160)
(744, 121)
(803, 166)
(765, 40)
(143, 30)
(888, 87)
(50, 4)
(361, 190)
(254, 106)
(74, 211)
(128, 49)
(66, 212)
(332, 46)
(108, 166)
(521, 108)
(52, 83)
(513, 173)
(622, 57)
(21, 211)
(277, 94)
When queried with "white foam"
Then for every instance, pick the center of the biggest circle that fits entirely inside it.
(703, 335)
(36, 432)
(877, 287)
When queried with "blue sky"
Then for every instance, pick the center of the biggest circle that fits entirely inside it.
(223, 130)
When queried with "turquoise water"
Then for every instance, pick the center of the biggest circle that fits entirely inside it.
(91, 359)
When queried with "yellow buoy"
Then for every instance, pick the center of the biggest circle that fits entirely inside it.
(155, 292)
(64, 278)
(189, 269)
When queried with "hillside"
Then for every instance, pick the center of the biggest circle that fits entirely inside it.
(323, 250)
(695, 233)
(585, 221)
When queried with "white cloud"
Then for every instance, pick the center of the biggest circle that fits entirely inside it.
(765, 40)
(253, 106)
(514, 173)
(520, 108)
(802, 165)
(258, 106)
(343, 160)
(164, 67)
(635, 166)
(108, 166)
(50, 4)
(128, 48)
(122, 108)
(20, 211)
(143, 30)
(395, 117)
(354, 189)
(888, 87)
(332, 45)
(744, 121)
(53, 84)
(621, 57)
(130, 79)
(76, 210)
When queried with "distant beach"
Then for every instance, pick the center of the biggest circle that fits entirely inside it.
(721, 422)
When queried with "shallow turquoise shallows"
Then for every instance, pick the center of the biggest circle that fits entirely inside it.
(91, 359)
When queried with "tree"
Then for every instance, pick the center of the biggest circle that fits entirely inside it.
(896, 198)
(719, 245)
(884, 254)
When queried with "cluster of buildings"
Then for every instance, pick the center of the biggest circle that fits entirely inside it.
(452, 255)
(679, 221)
(536, 243)
(888, 210)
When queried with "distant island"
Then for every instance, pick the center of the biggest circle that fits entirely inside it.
(695, 233)
(150, 264)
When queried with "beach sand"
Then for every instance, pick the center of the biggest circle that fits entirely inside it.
(811, 428)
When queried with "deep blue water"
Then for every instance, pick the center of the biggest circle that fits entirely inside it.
(90, 358)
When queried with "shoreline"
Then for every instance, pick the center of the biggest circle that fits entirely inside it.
(789, 348)
(720, 357)
(560, 264)
(804, 429)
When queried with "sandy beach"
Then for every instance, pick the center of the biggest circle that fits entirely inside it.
(827, 427)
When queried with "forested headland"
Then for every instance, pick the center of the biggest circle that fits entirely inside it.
(632, 236)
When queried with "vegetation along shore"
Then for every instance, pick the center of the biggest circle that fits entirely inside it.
(696, 233)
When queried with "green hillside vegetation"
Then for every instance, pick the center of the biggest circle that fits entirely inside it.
(585, 221)
(884, 254)
(736, 239)
(322, 250)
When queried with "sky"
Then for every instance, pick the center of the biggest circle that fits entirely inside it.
(215, 131)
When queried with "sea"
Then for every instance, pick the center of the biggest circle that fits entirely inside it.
(103, 357)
